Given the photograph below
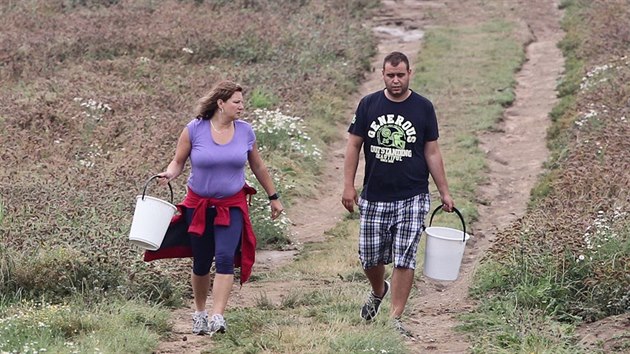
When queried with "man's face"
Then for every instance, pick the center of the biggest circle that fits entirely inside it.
(396, 79)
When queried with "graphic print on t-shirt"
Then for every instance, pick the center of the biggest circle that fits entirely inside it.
(392, 133)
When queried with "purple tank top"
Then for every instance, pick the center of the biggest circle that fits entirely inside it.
(218, 171)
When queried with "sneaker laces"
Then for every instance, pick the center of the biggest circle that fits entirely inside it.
(200, 323)
(218, 324)
(218, 319)
(372, 300)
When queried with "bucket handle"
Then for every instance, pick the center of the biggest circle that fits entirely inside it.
(144, 191)
(458, 214)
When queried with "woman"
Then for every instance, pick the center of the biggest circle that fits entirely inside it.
(219, 145)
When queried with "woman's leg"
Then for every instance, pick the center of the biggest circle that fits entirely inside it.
(203, 253)
(221, 292)
(227, 240)
(200, 287)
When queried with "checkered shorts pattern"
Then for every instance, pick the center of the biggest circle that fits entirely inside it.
(391, 229)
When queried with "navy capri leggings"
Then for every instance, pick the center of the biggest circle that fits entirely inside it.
(218, 242)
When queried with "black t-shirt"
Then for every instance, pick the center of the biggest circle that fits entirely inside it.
(394, 134)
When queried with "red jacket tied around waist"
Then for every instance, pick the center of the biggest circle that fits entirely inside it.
(176, 242)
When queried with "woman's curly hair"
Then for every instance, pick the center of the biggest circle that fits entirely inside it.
(207, 105)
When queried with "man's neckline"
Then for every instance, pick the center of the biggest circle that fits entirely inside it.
(409, 91)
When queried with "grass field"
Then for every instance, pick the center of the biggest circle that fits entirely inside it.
(95, 92)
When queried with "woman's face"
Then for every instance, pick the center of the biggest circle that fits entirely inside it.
(233, 107)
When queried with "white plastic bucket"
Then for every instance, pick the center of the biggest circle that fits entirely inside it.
(150, 220)
(444, 250)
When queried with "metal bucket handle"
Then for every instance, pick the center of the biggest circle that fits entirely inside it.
(458, 214)
(144, 191)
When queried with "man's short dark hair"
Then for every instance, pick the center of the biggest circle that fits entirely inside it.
(396, 58)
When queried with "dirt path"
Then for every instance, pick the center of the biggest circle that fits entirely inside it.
(515, 155)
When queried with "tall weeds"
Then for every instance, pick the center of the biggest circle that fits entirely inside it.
(95, 94)
(567, 260)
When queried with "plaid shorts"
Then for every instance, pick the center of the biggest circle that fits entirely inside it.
(391, 228)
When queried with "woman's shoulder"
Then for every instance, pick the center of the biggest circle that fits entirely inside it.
(242, 123)
(196, 123)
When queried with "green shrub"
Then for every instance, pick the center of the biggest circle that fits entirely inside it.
(277, 131)
(7, 267)
(89, 3)
(159, 286)
(600, 285)
(270, 234)
(57, 272)
(87, 96)
(260, 98)
(33, 327)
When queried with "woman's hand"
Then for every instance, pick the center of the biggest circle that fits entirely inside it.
(164, 178)
(276, 209)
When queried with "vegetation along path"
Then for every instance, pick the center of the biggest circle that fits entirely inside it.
(515, 151)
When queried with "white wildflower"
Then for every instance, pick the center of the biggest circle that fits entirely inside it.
(279, 131)
(93, 109)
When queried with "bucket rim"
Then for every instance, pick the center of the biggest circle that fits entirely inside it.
(144, 190)
(459, 239)
(461, 218)
(142, 198)
(144, 243)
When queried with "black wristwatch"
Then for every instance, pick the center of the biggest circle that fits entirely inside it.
(274, 196)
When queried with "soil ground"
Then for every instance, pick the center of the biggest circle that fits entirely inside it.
(515, 154)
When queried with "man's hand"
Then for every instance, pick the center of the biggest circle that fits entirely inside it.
(349, 198)
(447, 203)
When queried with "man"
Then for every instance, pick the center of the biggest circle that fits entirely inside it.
(398, 131)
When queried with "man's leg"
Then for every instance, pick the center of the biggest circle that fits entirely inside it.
(402, 281)
(408, 231)
(374, 252)
(376, 276)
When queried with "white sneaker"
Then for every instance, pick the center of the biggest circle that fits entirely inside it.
(200, 324)
(217, 324)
